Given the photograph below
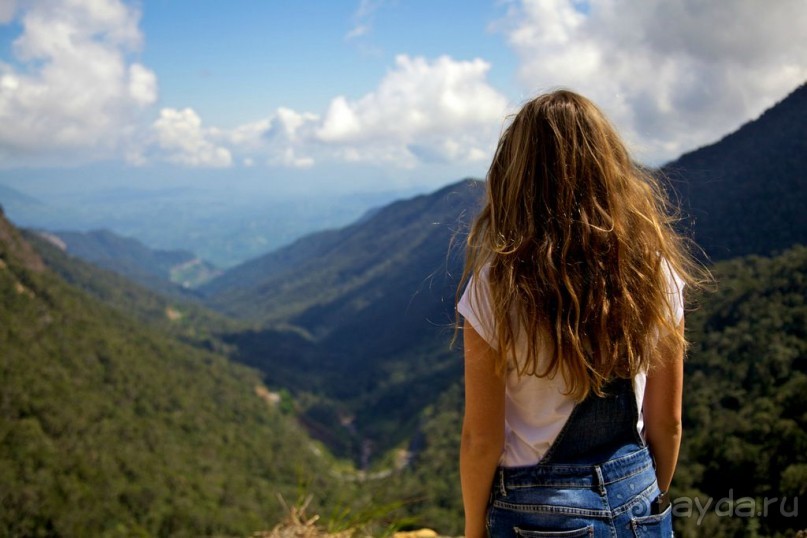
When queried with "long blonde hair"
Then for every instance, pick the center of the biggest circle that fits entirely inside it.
(574, 236)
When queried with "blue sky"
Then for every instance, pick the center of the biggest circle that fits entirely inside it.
(299, 55)
(367, 94)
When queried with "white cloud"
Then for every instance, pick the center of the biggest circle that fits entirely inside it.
(672, 75)
(357, 31)
(288, 136)
(341, 122)
(290, 159)
(182, 138)
(250, 136)
(75, 92)
(142, 85)
(422, 110)
(278, 139)
(363, 18)
(291, 125)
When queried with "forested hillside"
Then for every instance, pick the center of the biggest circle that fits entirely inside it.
(180, 315)
(112, 427)
(357, 320)
(745, 412)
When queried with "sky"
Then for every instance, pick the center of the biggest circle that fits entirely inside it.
(341, 95)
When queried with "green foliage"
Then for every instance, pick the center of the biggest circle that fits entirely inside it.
(109, 427)
(180, 316)
(745, 412)
(430, 486)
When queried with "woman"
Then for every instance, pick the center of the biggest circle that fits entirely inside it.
(573, 335)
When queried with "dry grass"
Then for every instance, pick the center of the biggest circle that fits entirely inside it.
(298, 525)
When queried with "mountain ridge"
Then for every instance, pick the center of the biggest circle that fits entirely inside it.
(165, 271)
(745, 193)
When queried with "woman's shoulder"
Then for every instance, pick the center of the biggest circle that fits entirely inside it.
(475, 305)
(675, 291)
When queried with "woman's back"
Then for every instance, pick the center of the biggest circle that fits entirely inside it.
(573, 330)
(537, 408)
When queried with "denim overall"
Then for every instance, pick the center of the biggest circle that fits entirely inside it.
(597, 479)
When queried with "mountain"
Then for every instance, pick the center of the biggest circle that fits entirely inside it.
(113, 426)
(747, 193)
(407, 239)
(359, 318)
(154, 268)
(179, 315)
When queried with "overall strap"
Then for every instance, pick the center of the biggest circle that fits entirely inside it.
(598, 427)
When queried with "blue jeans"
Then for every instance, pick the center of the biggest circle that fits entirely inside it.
(611, 499)
(597, 479)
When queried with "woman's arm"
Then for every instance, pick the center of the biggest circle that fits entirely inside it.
(662, 408)
(482, 429)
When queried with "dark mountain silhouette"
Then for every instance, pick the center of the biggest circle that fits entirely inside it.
(747, 193)
(394, 250)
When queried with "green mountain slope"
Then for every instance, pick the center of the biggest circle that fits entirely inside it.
(314, 275)
(180, 315)
(747, 193)
(745, 414)
(359, 318)
(109, 427)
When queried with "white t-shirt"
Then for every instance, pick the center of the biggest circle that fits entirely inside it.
(536, 408)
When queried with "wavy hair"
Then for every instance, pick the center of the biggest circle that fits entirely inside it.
(574, 237)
